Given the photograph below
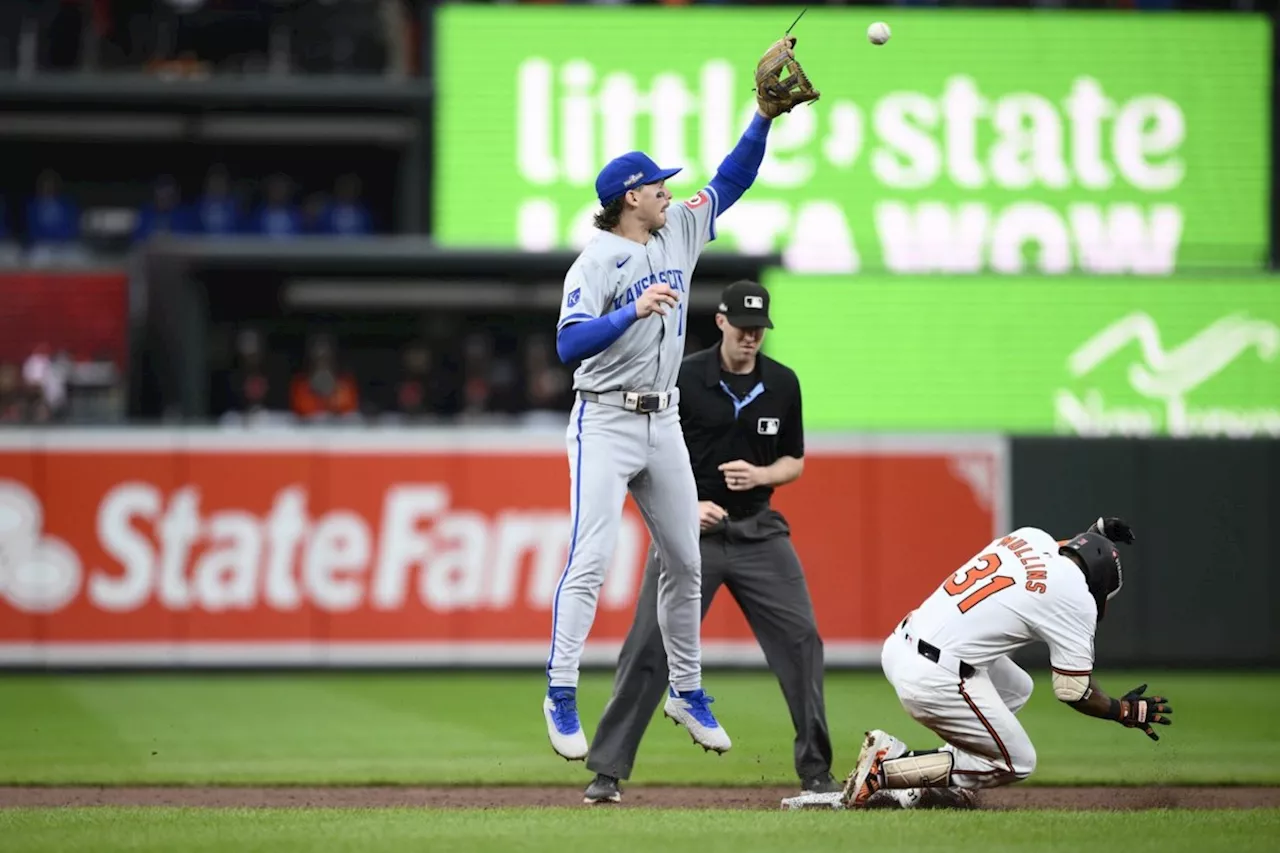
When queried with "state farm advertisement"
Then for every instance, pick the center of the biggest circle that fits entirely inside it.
(180, 548)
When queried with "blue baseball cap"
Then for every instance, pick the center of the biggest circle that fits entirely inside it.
(627, 172)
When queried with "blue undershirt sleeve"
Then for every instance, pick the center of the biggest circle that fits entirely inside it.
(586, 338)
(739, 168)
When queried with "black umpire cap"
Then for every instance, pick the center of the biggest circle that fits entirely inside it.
(745, 305)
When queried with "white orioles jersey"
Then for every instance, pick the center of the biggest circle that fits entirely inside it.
(1015, 591)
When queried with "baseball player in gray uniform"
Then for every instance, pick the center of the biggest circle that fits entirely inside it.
(624, 315)
(743, 422)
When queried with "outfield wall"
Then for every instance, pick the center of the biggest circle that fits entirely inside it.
(427, 547)
(443, 547)
(1202, 581)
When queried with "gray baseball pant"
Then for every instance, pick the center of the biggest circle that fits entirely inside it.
(754, 558)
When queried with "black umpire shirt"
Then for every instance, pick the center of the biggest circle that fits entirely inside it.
(725, 416)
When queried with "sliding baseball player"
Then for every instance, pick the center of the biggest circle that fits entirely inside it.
(949, 662)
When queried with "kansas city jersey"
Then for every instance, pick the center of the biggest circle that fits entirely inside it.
(613, 271)
(1017, 590)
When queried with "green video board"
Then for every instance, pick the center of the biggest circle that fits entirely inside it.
(974, 141)
(1066, 355)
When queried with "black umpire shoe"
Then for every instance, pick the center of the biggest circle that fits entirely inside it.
(604, 789)
(823, 783)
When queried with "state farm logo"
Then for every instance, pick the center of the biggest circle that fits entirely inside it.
(165, 548)
(38, 574)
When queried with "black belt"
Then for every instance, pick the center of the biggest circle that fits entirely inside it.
(737, 512)
(931, 652)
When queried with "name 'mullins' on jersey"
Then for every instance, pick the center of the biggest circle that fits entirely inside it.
(1016, 591)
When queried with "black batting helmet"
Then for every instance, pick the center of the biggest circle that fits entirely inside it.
(1101, 562)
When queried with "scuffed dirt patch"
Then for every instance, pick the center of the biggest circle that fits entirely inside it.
(1015, 797)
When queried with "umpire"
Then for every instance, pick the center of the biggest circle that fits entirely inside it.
(740, 413)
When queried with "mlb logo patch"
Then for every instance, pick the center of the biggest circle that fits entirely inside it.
(767, 426)
(753, 301)
(575, 296)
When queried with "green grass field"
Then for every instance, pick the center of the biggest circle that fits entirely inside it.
(486, 728)
(566, 831)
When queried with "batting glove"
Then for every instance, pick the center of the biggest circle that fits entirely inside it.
(1115, 529)
(1139, 712)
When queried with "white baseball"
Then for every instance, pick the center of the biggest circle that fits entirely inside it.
(878, 33)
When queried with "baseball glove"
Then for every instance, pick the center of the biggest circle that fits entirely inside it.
(775, 93)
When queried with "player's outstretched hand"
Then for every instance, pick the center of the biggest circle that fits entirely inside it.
(1139, 712)
(1115, 529)
(657, 299)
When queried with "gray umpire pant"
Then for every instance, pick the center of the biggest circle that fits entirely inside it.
(754, 558)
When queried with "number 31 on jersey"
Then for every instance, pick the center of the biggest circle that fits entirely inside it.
(970, 582)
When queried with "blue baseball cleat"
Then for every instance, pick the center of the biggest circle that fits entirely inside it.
(560, 707)
(692, 710)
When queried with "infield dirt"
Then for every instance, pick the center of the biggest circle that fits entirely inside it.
(1029, 797)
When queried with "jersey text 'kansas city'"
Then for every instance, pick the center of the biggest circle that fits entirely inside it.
(612, 272)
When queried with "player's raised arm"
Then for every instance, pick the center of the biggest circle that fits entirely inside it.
(774, 96)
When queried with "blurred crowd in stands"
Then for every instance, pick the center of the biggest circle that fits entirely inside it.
(52, 387)
(465, 381)
(481, 375)
(478, 376)
(201, 37)
(48, 226)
